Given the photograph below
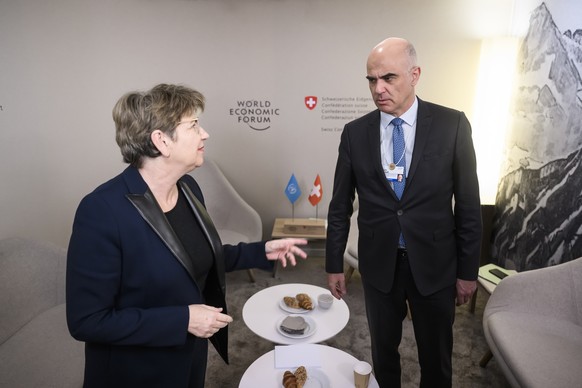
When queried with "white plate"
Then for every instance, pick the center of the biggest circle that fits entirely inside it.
(315, 378)
(309, 331)
(296, 311)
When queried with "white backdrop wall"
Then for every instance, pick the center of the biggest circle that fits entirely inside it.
(64, 64)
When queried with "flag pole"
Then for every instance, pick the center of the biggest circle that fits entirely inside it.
(293, 211)
(316, 209)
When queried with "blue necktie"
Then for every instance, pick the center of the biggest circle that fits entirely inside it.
(399, 153)
(399, 158)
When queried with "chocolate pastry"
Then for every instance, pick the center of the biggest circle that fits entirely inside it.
(294, 325)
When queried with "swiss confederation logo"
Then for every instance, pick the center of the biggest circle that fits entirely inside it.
(311, 102)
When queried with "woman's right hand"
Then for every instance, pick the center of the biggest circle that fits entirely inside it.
(205, 320)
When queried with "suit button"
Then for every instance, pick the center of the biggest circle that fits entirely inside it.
(400, 212)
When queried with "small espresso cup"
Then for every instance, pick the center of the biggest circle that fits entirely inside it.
(362, 371)
(325, 301)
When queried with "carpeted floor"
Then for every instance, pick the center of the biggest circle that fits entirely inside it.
(245, 347)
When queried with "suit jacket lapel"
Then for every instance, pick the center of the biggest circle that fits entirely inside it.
(154, 216)
(220, 339)
(142, 198)
(208, 228)
(423, 123)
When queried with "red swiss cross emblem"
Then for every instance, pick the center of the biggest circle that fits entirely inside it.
(310, 102)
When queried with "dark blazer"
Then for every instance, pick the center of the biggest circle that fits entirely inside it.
(443, 243)
(130, 281)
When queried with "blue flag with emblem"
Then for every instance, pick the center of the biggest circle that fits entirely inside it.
(292, 191)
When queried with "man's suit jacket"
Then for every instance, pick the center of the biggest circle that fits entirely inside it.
(130, 281)
(443, 243)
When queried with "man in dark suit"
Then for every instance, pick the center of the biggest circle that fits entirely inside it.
(419, 236)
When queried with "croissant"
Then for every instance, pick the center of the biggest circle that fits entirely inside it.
(302, 296)
(306, 304)
(291, 302)
(301, 376)
(289, 380)
(304, 301)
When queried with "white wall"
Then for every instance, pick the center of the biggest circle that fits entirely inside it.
(64, 64)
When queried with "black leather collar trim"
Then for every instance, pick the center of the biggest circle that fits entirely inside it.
(154, 216)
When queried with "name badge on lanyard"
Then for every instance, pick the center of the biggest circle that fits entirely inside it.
(395, 173)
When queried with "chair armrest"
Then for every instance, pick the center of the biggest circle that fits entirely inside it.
(556, 292)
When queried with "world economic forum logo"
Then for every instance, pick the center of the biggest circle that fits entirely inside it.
(257, 114)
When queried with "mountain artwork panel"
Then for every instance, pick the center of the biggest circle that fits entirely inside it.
(538, 221)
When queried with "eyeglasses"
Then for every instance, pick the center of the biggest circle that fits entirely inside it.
(193, 124)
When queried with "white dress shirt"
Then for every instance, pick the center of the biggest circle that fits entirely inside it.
(386, 129)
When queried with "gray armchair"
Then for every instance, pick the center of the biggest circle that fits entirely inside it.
(235, 220)
(36, 349)
(351, 252)
(533, 325)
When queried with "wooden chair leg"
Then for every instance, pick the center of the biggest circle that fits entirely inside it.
(251, 275)
(486, 358)
(348, 273)
(473, 301)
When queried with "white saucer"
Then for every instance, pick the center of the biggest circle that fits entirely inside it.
(309, 331)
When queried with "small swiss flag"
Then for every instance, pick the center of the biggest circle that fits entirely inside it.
(310, 102)
(316, 192)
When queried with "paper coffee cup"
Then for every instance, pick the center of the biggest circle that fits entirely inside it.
(362, 371)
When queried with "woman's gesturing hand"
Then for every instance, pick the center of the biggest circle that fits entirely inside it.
(285, 250)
